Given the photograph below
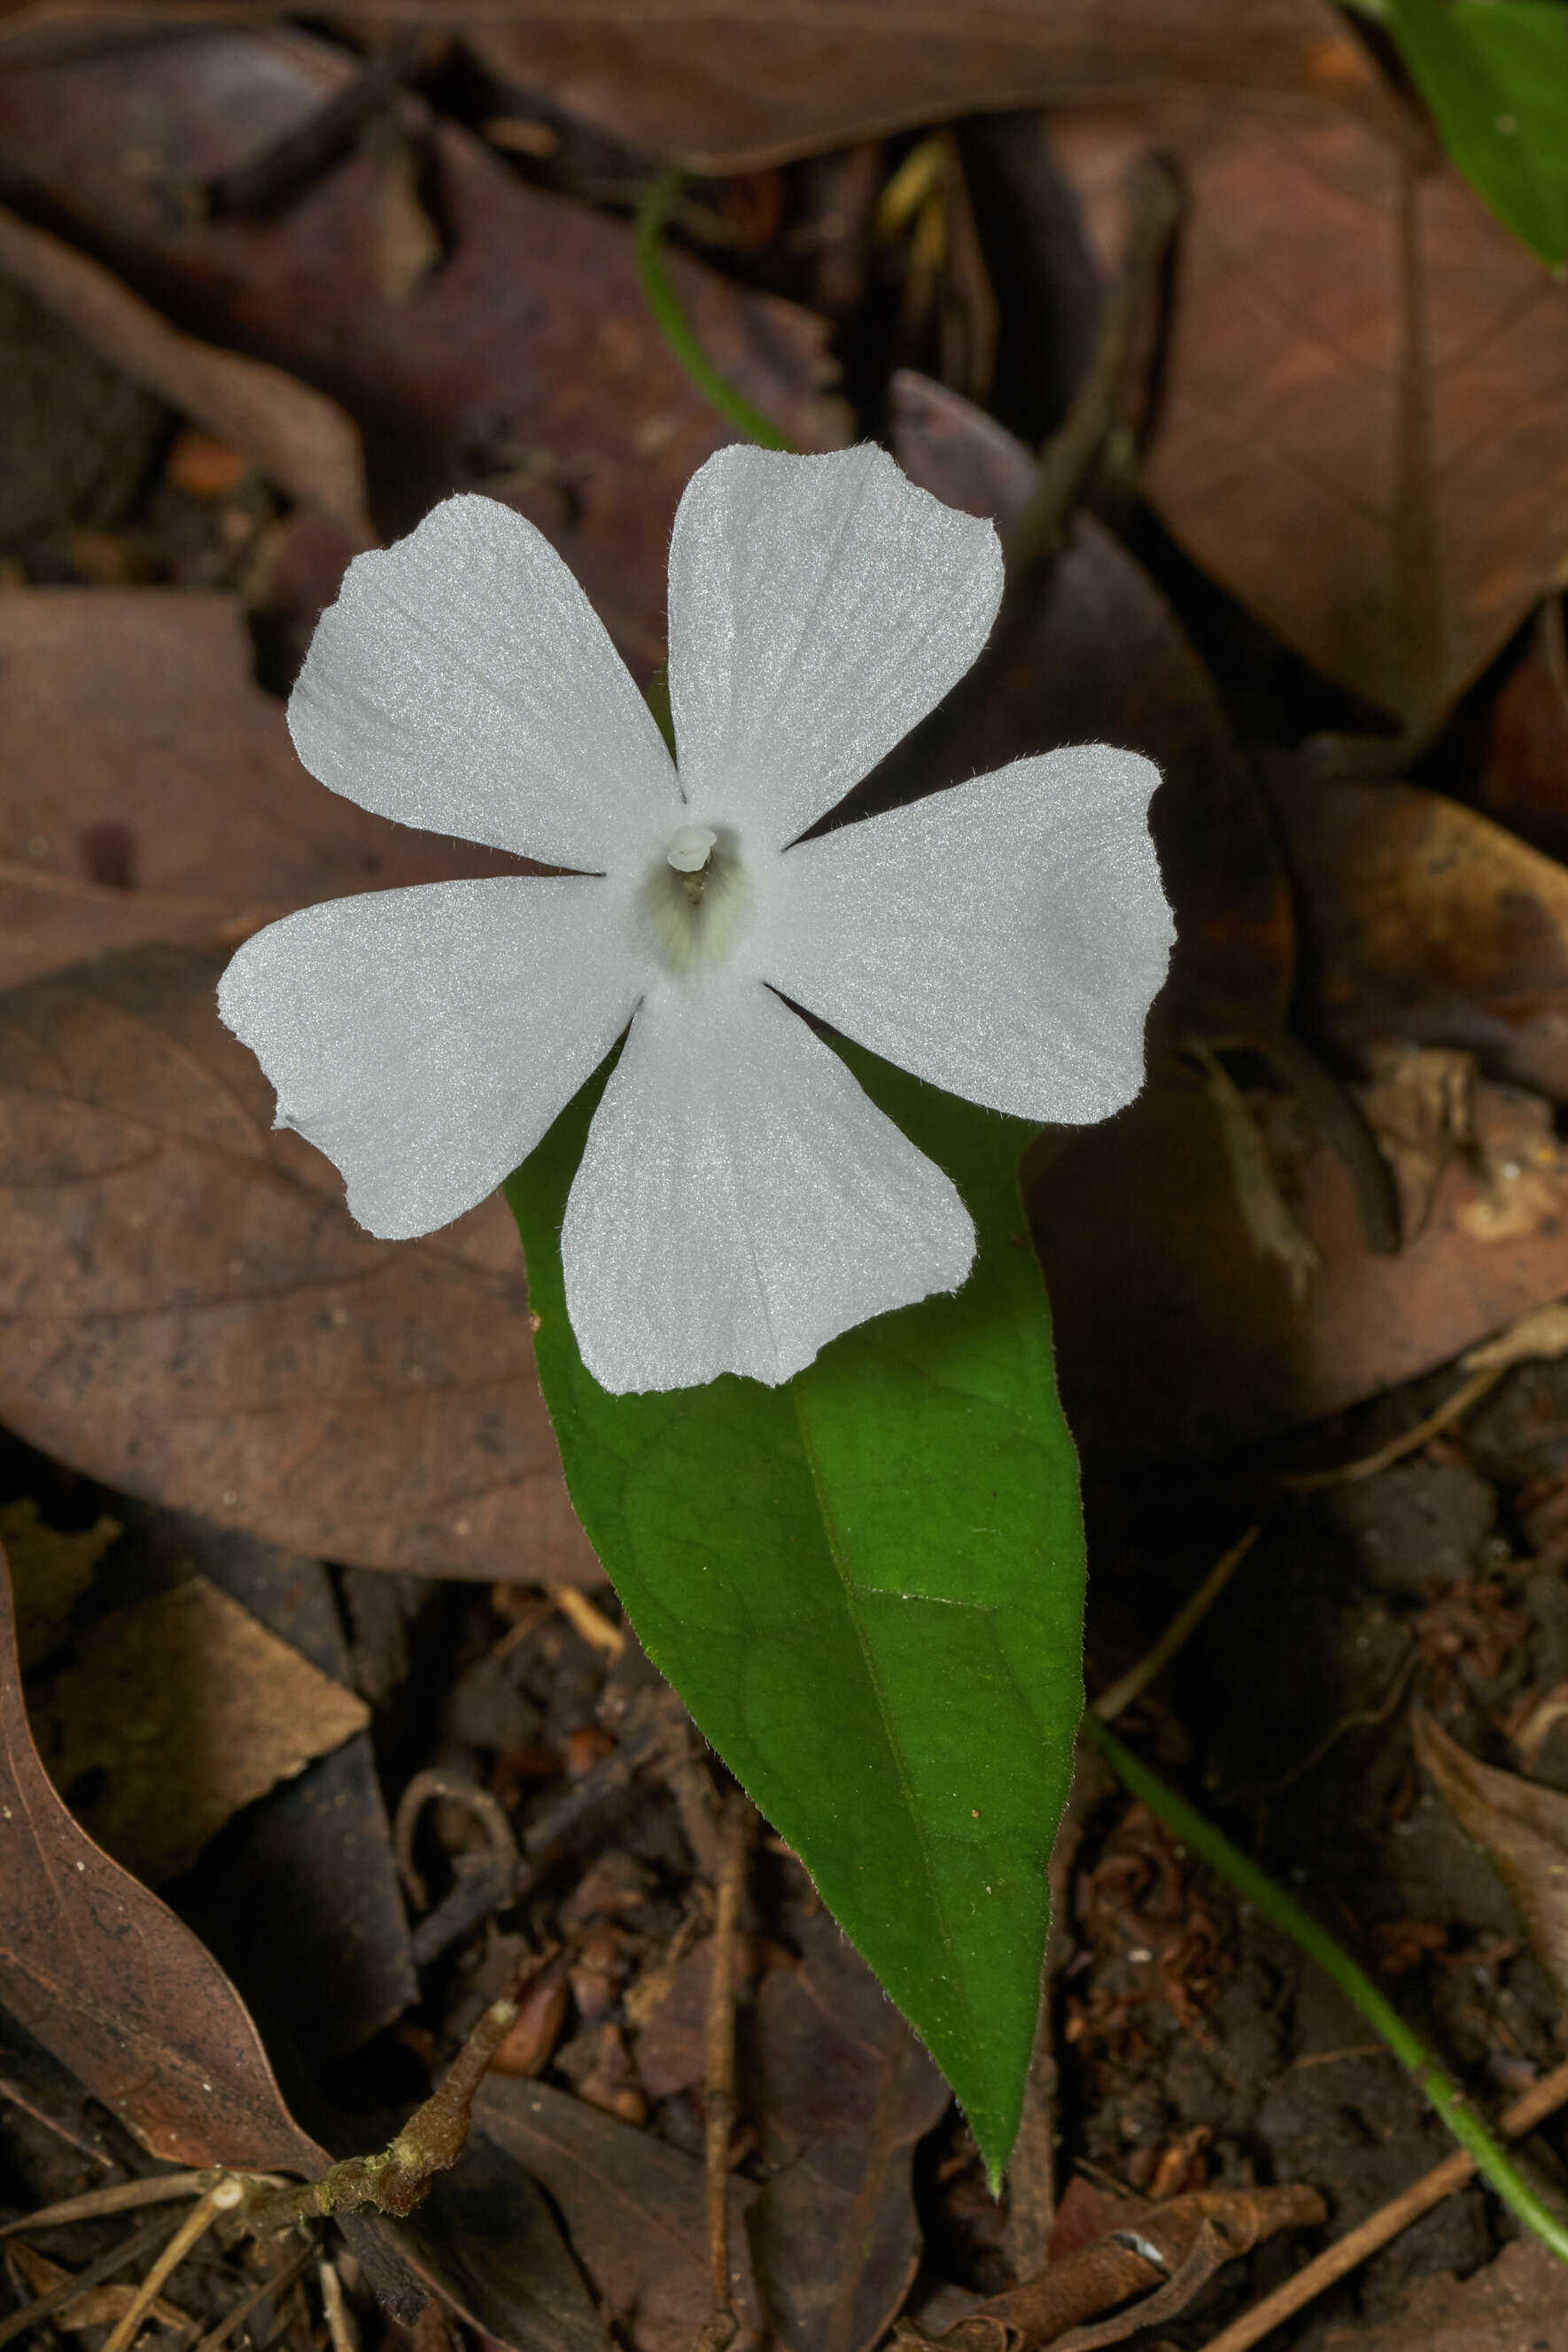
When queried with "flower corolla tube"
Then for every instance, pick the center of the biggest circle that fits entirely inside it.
(740, 1201)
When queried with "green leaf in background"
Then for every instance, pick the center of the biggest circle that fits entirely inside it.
(867, 1587)
(1495, 75)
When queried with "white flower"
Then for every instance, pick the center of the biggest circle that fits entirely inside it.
(740, 1201)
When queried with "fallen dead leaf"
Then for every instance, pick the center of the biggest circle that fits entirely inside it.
(1270, 1222)
(1420, 1105)
(175, 1713)
(1360, 433)
(150, 790)
(96, 2307)
(188, 1312)
(735, 85)
(49, 1573)
(487, 2242)
(1515, 2303)
(1522, 1826)
(318, 1848)
(115, 1987)
(1165, 2254)
(528, 365)
(633, 2208)
(844, 2092)
(1175, 1337)
(297, 438)
(1425, 921)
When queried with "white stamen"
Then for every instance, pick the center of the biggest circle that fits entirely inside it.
(689, 849)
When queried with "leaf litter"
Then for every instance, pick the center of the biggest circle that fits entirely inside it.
(1344, 466)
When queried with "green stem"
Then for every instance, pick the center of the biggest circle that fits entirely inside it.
(653, 213)
(1202, 1839)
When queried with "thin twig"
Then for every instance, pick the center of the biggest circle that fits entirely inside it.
(158, 2188)
(279, 2283)
(1453, 1408)
(719, 2072)
(1188, 1617)
(1347, 2252)
(1257, 1887)
(223, 2197)
(396, 2179)
(340, 2327)
(118, 2258)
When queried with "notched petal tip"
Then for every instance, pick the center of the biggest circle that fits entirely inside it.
(741, 1202)
(818, 608)
(463, 683)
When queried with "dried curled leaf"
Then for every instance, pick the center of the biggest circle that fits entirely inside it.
(112, 1984)
(1524, 1829)
(1165, 2256)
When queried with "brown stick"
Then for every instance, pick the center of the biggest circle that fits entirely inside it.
(1353, 2248)
(719, 2072)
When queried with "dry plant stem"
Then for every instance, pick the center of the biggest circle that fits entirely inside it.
(1357, 2245)
(161, 2189)
(225, 2196)
(1188, 1617)
(1452, 1409)
(718, 2072)
(279, 2283)
(587, 1621)
(118, 2258)
(339, 2325)
(1068, 459)
(394, 2180)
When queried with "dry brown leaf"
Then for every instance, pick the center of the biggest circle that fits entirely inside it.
(175, 1713)
(1165, 2254)
(1419, 1101)
(1523, 1827)
(844, 2094)
(299, 439)
(1360, 432)
(50, 1572)
(188, 1312)
(633, 2208)
(1425, 921)
(150, 790)
(115, 1987)
(1270, 1222)
(735, 85)
(529, 366)
(1174, 1337)
(95, 2306)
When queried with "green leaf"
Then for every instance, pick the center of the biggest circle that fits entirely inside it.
(868, 1586)
(1495, 75)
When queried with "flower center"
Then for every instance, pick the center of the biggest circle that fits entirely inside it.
(693, 901)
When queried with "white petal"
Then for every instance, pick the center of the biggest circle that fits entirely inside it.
(1003, 940)
(425, 1039)
(464, 683)
(740, 1202)
(818, 607)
